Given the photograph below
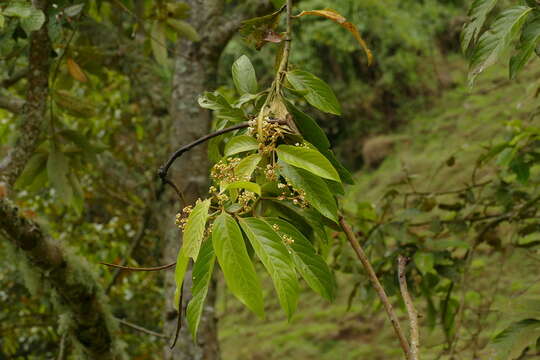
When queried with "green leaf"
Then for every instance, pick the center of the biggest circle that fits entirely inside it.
(309, 128)
(58, 171)
(494, 42)
(184, 29)
(19, 8)
(237, 267)
(74, 10)
(247, 166)
(344, 174)
(308, 159)
(194, 231)
(275, 257)
(477, 13)
(182, 261)
(78, 194)
(244, 76)
(241, 143)
(217, 102)
(424, 262)
(250, 186)
(530, 38)
(33, 22)
(315, 189)
(510, 343)
(310, 265)
(158, 41)
(319, 93)
(34, 166)
(202, 276)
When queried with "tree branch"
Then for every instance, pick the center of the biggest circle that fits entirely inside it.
(377, 285)
(73, 281)
(35, 107)
(411, 310)
(12, 104)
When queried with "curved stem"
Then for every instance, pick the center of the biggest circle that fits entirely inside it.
(377, 285)
(411, 310)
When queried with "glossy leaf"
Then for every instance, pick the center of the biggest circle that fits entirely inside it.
(315, 189)
(244, 76)
(309, 264)
(530, 38)
(309, 128)
(275, 257)
(249, 186)
(202, 276)
(494, 42)
(239, 144)
(194, 230)
(247, 166)
(217, 102)
(319, 94)
(36, 165)
(477, 14)
(235, 263)
(308, 159)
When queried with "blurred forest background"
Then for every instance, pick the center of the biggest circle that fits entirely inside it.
(95, 95)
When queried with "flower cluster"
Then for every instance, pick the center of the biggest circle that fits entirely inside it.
(182, 217)
(223, 171)
(271, 133)
(288, 192)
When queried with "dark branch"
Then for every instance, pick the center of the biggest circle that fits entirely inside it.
(157, 268)
(163, 171)
(140, 328)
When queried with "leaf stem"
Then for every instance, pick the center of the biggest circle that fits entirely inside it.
(411, 310)
(377, 285)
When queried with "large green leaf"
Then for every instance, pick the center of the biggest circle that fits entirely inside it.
(494, 42)
(237, 267)
(202, 276)
(315, 189)
(310, 265)
(510, 343)
(309, 128)
(58, 171)
(530, 37)
(195, 226)
(247, 166)
(244, 76)
(477, 14)
(275, 257)
(182, 262)
(319, 94)
(239, 144)
(344, 174)
(308, 159)
(18, 8)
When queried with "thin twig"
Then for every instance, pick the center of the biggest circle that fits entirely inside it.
(138, 237)
(179, 317)
(411, 310)
(140, 328)
(377, 285)
(157, 268)
(163, 170)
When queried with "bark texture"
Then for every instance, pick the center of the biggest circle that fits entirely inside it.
(35, 108)
(196, 66)
(73, 282)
